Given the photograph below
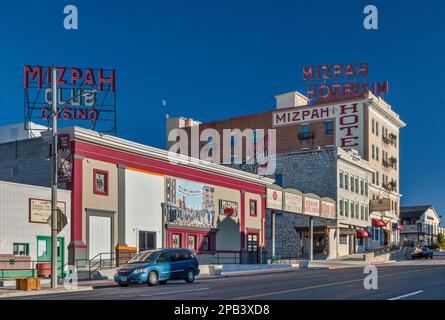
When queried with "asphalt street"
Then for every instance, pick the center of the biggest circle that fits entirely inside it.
(407, 280)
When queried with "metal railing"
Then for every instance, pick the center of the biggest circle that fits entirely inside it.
(104, 260)
(386, 249)
(31, 269)
(236, 257)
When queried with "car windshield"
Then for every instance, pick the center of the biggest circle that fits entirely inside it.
(143, 257)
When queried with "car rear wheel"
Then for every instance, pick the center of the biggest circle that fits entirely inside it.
(190, 276)
(152, 278)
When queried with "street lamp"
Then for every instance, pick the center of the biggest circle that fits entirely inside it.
(54, 116)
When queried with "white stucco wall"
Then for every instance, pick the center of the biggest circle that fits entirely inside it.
(14, 217)
(144, 194)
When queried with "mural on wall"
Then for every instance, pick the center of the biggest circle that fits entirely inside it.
(190, 203)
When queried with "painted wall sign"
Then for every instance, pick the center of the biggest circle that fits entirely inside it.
(82, 94)
(347, 231)
(327, 210)
(293, 202)
(348, 121)
(190, 203)
(340, 80)
(274, 199)
(311, 207)
(40, 210)
(229, 208)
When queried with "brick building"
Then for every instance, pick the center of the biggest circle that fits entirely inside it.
(364, 122)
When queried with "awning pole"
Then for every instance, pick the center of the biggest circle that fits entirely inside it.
(311, 238)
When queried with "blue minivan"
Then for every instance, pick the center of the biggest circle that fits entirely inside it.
(158, 266)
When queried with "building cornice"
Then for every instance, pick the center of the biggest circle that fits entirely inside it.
(116, 143)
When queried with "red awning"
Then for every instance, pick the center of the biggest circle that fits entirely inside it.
(378, 223)
(362, 234)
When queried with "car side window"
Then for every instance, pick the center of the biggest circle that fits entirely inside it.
(175, 256)
(185, 255)
(164, 257)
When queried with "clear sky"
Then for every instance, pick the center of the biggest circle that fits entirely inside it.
(214, 59)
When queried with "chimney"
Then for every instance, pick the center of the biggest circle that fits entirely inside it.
(291, 99)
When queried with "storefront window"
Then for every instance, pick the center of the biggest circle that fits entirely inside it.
(176, 240)
(21, 249)
(100, 182)
(253, 208)
(205, 244)
(343, 239)
(192, 242)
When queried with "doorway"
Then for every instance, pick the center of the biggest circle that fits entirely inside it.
(99, 236)
(44, 251)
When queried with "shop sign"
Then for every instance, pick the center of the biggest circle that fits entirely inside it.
(293, 202)
(274, 199)
(82, 94)
(347, 231)
(380, 204)
(228, 208)
(312, 207)
(40, 210)
(328, 210)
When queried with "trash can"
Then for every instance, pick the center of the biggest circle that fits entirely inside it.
(43, 269)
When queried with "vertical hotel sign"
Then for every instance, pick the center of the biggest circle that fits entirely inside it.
(64, 159)
(83, 95)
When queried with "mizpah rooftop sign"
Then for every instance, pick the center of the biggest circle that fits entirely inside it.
(340, 80)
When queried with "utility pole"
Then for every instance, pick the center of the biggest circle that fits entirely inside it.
(54, 182)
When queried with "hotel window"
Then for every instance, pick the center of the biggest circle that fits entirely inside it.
(253, 208)
(352, 183)
(342, 207)
(191, 242)
(366, 213)
(377, 153)
(373, 177)
(343, 239)
(352, 210)
(366, 188)
(373, 151)
(377, 128)
(373, 124)
(362, 212)
(341, 179)
(329, 128)
(356, 185)
(176, 240)
(20, 249)
(362, 187)
(357, 211)
(377, 178)
(346, 181)
(347, 208)
(100, 182)
(305, 131)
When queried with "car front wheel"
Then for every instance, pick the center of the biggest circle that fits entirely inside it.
(190, 276)
(152, 278)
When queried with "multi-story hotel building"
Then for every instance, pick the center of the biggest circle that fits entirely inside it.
(363, 122)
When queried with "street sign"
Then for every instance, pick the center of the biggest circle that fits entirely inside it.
(62, 220)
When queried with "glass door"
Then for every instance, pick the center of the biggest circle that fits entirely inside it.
(44, 251)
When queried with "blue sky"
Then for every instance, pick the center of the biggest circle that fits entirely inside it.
(214, 59)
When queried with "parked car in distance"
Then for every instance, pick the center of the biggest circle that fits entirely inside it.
(425, 252)
(158, 266)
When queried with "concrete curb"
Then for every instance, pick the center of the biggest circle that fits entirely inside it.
(46, 291)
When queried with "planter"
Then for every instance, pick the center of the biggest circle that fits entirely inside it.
(28, 284)
(43, 269)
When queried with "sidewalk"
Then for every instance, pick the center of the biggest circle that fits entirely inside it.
(10, 292)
